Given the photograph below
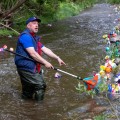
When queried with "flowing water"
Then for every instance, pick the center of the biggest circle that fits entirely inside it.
(78, 41)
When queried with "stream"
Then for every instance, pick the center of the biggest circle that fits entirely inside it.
(78, 41)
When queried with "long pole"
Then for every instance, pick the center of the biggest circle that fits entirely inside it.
(90, 83)
(42, 64)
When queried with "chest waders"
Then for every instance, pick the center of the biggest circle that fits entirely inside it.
(33, 85)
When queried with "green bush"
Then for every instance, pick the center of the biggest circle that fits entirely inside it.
(114, 1)
(66, 10)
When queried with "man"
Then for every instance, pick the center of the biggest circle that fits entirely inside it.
(29, 45)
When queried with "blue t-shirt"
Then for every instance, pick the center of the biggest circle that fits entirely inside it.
(27, 41)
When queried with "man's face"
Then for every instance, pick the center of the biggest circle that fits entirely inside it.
(33, 26)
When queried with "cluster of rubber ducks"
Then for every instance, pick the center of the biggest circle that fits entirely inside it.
(5, 47)
(110, 70)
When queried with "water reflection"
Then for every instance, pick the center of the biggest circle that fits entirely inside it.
(3, 55)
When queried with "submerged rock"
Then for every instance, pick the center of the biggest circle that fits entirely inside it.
(79, 110)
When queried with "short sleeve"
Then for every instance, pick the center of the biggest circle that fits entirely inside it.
(26, 41)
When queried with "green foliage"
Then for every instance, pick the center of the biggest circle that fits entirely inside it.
(7, 4)
(47, 10)
(21, 16)
(6, 32)
(82, 88)
(66, 10)
(103, 87)
(52, 10)
(99, 117)
(114, 1)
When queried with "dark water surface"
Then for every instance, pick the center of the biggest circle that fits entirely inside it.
(78, 41)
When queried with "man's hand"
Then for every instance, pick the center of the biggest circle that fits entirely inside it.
(60, 61)
(48, 65)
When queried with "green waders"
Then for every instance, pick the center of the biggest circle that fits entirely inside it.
(33, 85)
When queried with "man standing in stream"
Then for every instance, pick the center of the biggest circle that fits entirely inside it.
(29, 45)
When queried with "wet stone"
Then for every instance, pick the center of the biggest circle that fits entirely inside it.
(101, 101)
(78, 110)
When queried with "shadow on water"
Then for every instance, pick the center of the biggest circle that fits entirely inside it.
(78, 41)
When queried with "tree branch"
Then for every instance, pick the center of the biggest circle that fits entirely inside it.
(15, 7)
(9, 28)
